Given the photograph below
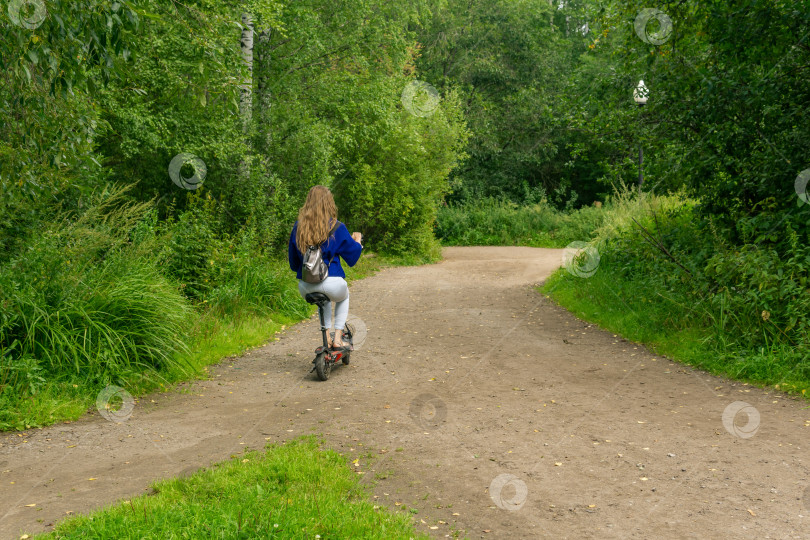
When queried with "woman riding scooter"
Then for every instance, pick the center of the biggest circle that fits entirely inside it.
(317, 225)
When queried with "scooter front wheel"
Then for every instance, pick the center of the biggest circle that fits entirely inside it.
(322, 367)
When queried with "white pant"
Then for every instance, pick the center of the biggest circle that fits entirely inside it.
(337, 290)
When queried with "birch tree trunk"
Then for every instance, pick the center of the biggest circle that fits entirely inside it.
(263, 93)
(246, 88)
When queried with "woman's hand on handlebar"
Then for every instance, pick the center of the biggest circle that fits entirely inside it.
(357, 237)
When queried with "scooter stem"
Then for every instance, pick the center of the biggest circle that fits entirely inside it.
(323, 327)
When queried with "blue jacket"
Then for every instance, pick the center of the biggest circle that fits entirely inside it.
(340, 244)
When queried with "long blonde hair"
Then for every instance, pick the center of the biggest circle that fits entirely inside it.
(316, 218)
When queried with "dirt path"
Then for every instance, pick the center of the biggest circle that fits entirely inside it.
(487, 409)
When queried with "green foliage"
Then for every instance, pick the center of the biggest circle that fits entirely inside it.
(331, 113)
(489, 222)
(178, 94)
(727, 115)
(249, 282)
(291, 490)
(49, 65)
(509, 61)
(394, 191)
(676, 283)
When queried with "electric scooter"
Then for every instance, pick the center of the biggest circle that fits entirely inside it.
(325, 357)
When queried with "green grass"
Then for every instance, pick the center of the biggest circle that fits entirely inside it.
(494, 223)
(295, 490)
(625, 309)
(668, 326)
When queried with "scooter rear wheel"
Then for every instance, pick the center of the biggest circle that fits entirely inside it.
(322, 367)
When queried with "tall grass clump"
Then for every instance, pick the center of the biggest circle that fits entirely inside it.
(83, 303)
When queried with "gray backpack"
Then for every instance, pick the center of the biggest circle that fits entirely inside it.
(314, 269)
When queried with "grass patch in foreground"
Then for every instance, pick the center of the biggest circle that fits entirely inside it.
(295, 490)
(632, 310)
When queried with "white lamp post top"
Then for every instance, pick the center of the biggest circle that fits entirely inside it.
(641, 93)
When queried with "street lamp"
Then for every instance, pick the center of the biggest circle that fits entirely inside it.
(640, 95)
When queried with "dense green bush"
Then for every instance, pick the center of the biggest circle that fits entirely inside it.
(754, 295)
(395, 190)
